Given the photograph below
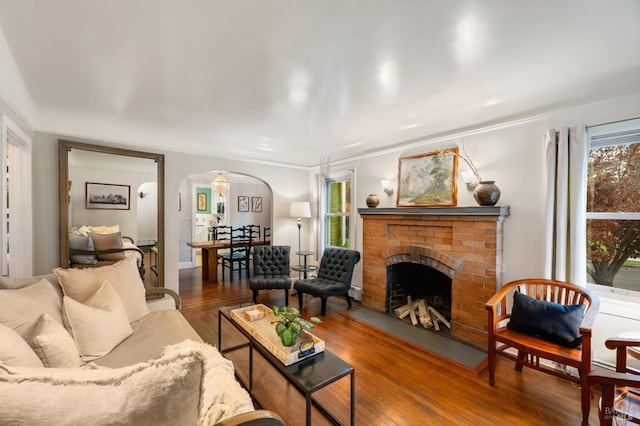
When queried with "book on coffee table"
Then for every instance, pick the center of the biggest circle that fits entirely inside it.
(259, 321)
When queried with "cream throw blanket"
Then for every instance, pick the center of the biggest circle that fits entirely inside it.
(190, 384)
(221, 395)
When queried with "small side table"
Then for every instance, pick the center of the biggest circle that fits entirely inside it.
(305, 267)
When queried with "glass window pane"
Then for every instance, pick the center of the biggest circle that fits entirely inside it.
(613, 183)
(338, 231)
(339, 197)
(613, 253)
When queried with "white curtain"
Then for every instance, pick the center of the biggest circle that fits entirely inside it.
(322, 196)
(566, 162)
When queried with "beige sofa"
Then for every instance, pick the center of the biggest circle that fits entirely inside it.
(82, 346)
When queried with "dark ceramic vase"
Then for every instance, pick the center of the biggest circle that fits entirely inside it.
(487, 193)
(373, 200)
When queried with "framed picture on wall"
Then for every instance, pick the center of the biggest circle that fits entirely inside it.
(428, 179)
(243, 203)
(256, 204)
(107, 196)
(202, 201)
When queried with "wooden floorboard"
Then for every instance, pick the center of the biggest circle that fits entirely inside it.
(396, 383)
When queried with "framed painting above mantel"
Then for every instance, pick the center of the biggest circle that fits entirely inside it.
(428, 179)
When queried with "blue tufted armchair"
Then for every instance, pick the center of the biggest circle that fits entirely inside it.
(271, 270)
(334, 277)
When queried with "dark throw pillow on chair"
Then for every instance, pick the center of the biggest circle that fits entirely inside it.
(551, 321)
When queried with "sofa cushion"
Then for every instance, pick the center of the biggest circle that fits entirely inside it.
(15, 283)
(107, 242)
(53, 344)
(82, 242)
(151, 334)
(15, 351)
(20, 308)
(98, 324)
(80, 284)
(190, 384)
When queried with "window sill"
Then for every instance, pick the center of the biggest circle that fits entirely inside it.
(618, 302)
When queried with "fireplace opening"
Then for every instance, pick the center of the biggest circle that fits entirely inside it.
(420, 282)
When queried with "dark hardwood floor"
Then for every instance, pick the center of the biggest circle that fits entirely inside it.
(396, 383)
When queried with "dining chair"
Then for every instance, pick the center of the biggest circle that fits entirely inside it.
(222, 234)
(238, 253)
(254, 230)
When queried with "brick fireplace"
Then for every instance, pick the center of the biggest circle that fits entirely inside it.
(464, 243)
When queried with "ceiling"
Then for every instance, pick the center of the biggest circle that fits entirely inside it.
(295, 82)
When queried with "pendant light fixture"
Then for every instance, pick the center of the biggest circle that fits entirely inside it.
(220, 185)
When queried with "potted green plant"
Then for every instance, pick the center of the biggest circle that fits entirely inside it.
(289, 324)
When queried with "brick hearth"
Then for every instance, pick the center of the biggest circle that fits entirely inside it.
(463, 242)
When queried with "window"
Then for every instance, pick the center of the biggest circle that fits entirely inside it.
(338, 217)
(613, 205)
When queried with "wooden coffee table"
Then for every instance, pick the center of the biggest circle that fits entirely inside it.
(309, 375)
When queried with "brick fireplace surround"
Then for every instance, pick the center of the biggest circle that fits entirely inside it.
(465, 243)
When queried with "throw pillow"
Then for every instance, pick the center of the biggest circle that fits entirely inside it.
(160, 392)
(80, 284)
(20, 308)
(98, 324)
(551, 321)
(53, 344)
(107, 242)
(104, 229)
(15, 351)
(81, 242)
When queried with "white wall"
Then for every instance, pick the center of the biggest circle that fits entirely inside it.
(240, 186)
(511, 154)
(288, 184)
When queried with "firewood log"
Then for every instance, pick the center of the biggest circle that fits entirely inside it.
(440, 317)
(412, 312)
(423, 314)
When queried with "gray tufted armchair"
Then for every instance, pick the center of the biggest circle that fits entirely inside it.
(271, 270)
(334, 277)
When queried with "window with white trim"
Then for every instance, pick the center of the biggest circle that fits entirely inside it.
(338, 215)
(613, 206)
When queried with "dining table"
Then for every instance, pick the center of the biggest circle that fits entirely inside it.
(210, 255)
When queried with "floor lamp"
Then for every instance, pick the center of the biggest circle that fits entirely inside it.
(300, 209)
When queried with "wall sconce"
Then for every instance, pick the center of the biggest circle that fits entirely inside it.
(469, 179)
(386, 185)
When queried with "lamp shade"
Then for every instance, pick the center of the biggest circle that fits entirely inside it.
(300, 209)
